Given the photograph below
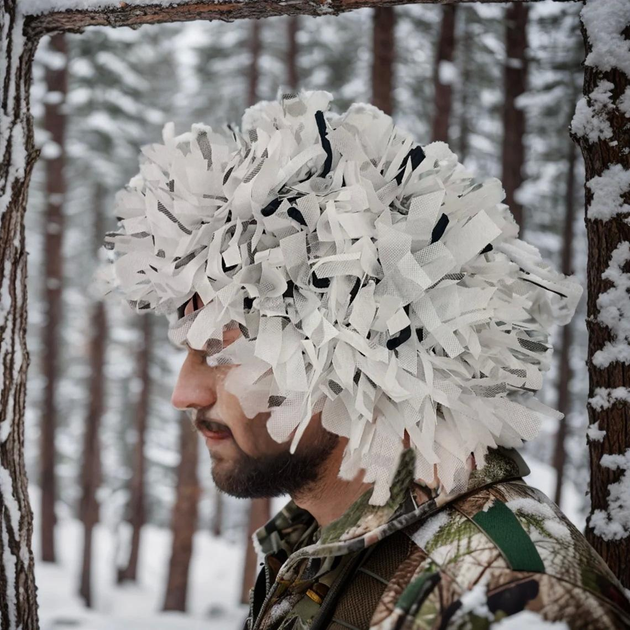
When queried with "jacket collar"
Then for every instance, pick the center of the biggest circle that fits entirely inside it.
(293, 528)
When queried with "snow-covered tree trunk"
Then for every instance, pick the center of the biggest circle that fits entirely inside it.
(602, 129)
(18, 608)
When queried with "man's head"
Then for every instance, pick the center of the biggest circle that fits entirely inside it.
(246, 461)
(380, 289)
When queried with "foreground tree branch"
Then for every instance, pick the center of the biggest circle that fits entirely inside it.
(130, 14)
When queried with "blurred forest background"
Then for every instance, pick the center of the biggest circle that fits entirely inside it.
(127, 521)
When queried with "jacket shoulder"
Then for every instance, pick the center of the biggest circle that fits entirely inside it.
(497, 552)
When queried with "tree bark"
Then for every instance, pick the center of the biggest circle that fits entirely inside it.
(443, 90)
(183, 519)
(384, 56)
(91, 468)
(607, 236)
(137, 504)
(565, 372)
(55, 124)
(466, 69)
(515, 80)
(127, 14)
(254, 75)
(18, 602)
(293, 28)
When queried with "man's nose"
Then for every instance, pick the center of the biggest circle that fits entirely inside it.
(195, 384)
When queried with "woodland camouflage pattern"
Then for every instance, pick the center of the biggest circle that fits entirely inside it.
(461, 562)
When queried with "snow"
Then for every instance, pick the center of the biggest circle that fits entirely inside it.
(614, 309)
(214, 587)
(528, 620)
(607, 189)
(623, 103)
(9, 563)
(430, 529)
(594, 433)
(591, 120)
(614, 523)
(550, 523)
(475, 600)
(605, 397)
(604, 22)
(447, 72)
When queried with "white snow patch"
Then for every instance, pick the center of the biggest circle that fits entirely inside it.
(10, 502)
(529, 620)
(614, 523)
(591, 114)
(604, 23)
(475, 600)
(433, 525)
(623, 103)
(9, 562)
(594, 433)
(607, 189)
(37, 7)
(605, 397)
(614, 309)
(447, 72)
(532, 507)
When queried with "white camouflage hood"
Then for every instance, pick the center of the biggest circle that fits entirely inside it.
(373, 279)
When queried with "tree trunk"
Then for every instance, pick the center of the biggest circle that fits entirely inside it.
(137, 504)
(442, 75)
(183, 519)
(565, 373)
(515, 79)
(384, 52)
(259, 515)
(217, 516)
(293, 28)
(466, 78)
(55, 124)
(607, 163)
(254, 47)
(91, 468)
(18, 602)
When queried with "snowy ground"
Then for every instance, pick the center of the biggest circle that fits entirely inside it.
(214, 580)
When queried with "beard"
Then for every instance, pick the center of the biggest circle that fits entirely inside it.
(275, 475)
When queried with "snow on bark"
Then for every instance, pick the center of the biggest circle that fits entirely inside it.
(614, 309)
(600, 128)
(614, 522)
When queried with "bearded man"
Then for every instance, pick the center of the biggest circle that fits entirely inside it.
(364, 332)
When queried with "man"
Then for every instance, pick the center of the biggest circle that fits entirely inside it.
(364, 332)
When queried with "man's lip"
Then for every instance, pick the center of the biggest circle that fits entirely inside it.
(203, 427)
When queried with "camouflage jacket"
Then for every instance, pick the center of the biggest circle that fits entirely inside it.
(499, 555)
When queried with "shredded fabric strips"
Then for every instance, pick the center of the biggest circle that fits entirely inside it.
(374, 280)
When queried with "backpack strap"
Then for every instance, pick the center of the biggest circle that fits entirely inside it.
(356, 592)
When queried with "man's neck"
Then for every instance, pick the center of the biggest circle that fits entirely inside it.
(330, 497)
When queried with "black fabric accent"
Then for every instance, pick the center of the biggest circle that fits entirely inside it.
(355, 289)
(398, 340)
(248, 302)
(487, 248)
(227, 174)
(226, 269)
(439, 228)
(357, 375)
(416, 155)
(296, 215)
(321, 126)
(289, 291)
(320, 283)
(271, 207)
(420, 333)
